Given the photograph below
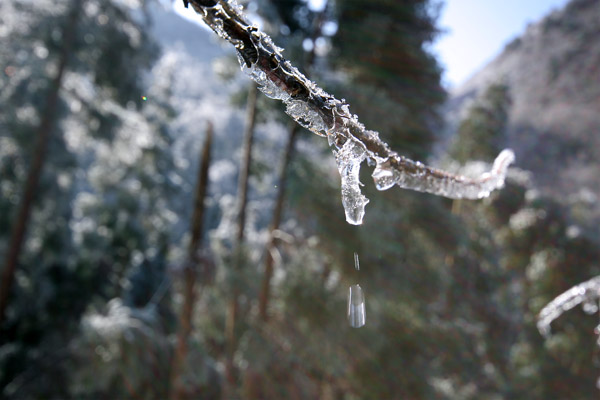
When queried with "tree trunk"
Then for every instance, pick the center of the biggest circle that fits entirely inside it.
(263, 299)
(242, 198)
(44, 131)
(176, 387)
(245, 163)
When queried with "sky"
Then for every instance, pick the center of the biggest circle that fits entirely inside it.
(478, 30)
(475, 31)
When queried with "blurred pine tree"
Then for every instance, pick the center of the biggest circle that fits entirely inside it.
(481, 134)
(394, 81)
(100, 206)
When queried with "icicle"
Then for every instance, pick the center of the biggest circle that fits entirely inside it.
(356, 264)
(348, 160)
(356, 307)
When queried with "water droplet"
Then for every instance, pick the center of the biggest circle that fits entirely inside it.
(356, 307)
(383, 177)
(356, 264)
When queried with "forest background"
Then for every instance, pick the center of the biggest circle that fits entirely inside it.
(184, 239)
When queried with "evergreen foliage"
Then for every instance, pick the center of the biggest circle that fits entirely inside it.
(395, 81)
(481, 134)
(100, 207)
(452, 288)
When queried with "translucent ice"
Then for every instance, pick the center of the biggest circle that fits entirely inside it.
(412, 175)
(348, 160)
(265, 85)
(356, 264)
(305, 116)
(383, 177)
(356, 307)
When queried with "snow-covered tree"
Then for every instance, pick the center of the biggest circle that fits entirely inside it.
(97, 206)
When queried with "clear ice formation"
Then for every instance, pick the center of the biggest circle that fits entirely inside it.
(587, 293)
(357, 316)
(327, 116)
(348, 160)
(356, 264)
(424, 179)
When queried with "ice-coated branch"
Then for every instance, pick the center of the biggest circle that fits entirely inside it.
(587, 293)
(324, 115)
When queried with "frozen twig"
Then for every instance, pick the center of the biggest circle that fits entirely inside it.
(324, 115)
(587, 293)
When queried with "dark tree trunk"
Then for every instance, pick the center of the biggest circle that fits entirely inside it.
(264, 294)
(263, 299)
(242, 198)
(176, 387)
(44, 131)
(245, 163)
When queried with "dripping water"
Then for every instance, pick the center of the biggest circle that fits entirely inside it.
(356, 302)
(356, 306)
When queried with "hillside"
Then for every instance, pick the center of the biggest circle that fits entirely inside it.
(553, 72)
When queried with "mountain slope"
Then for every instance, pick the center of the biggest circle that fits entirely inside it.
(553, 71)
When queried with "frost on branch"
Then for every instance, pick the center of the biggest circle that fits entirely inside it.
(327, 116)
(424, 179)
(586, 293)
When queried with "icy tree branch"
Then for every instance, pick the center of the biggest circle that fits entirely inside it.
(326, 116)
(587, 293)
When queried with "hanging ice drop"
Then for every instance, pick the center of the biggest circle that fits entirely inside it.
(356, 307)
(348, 160)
